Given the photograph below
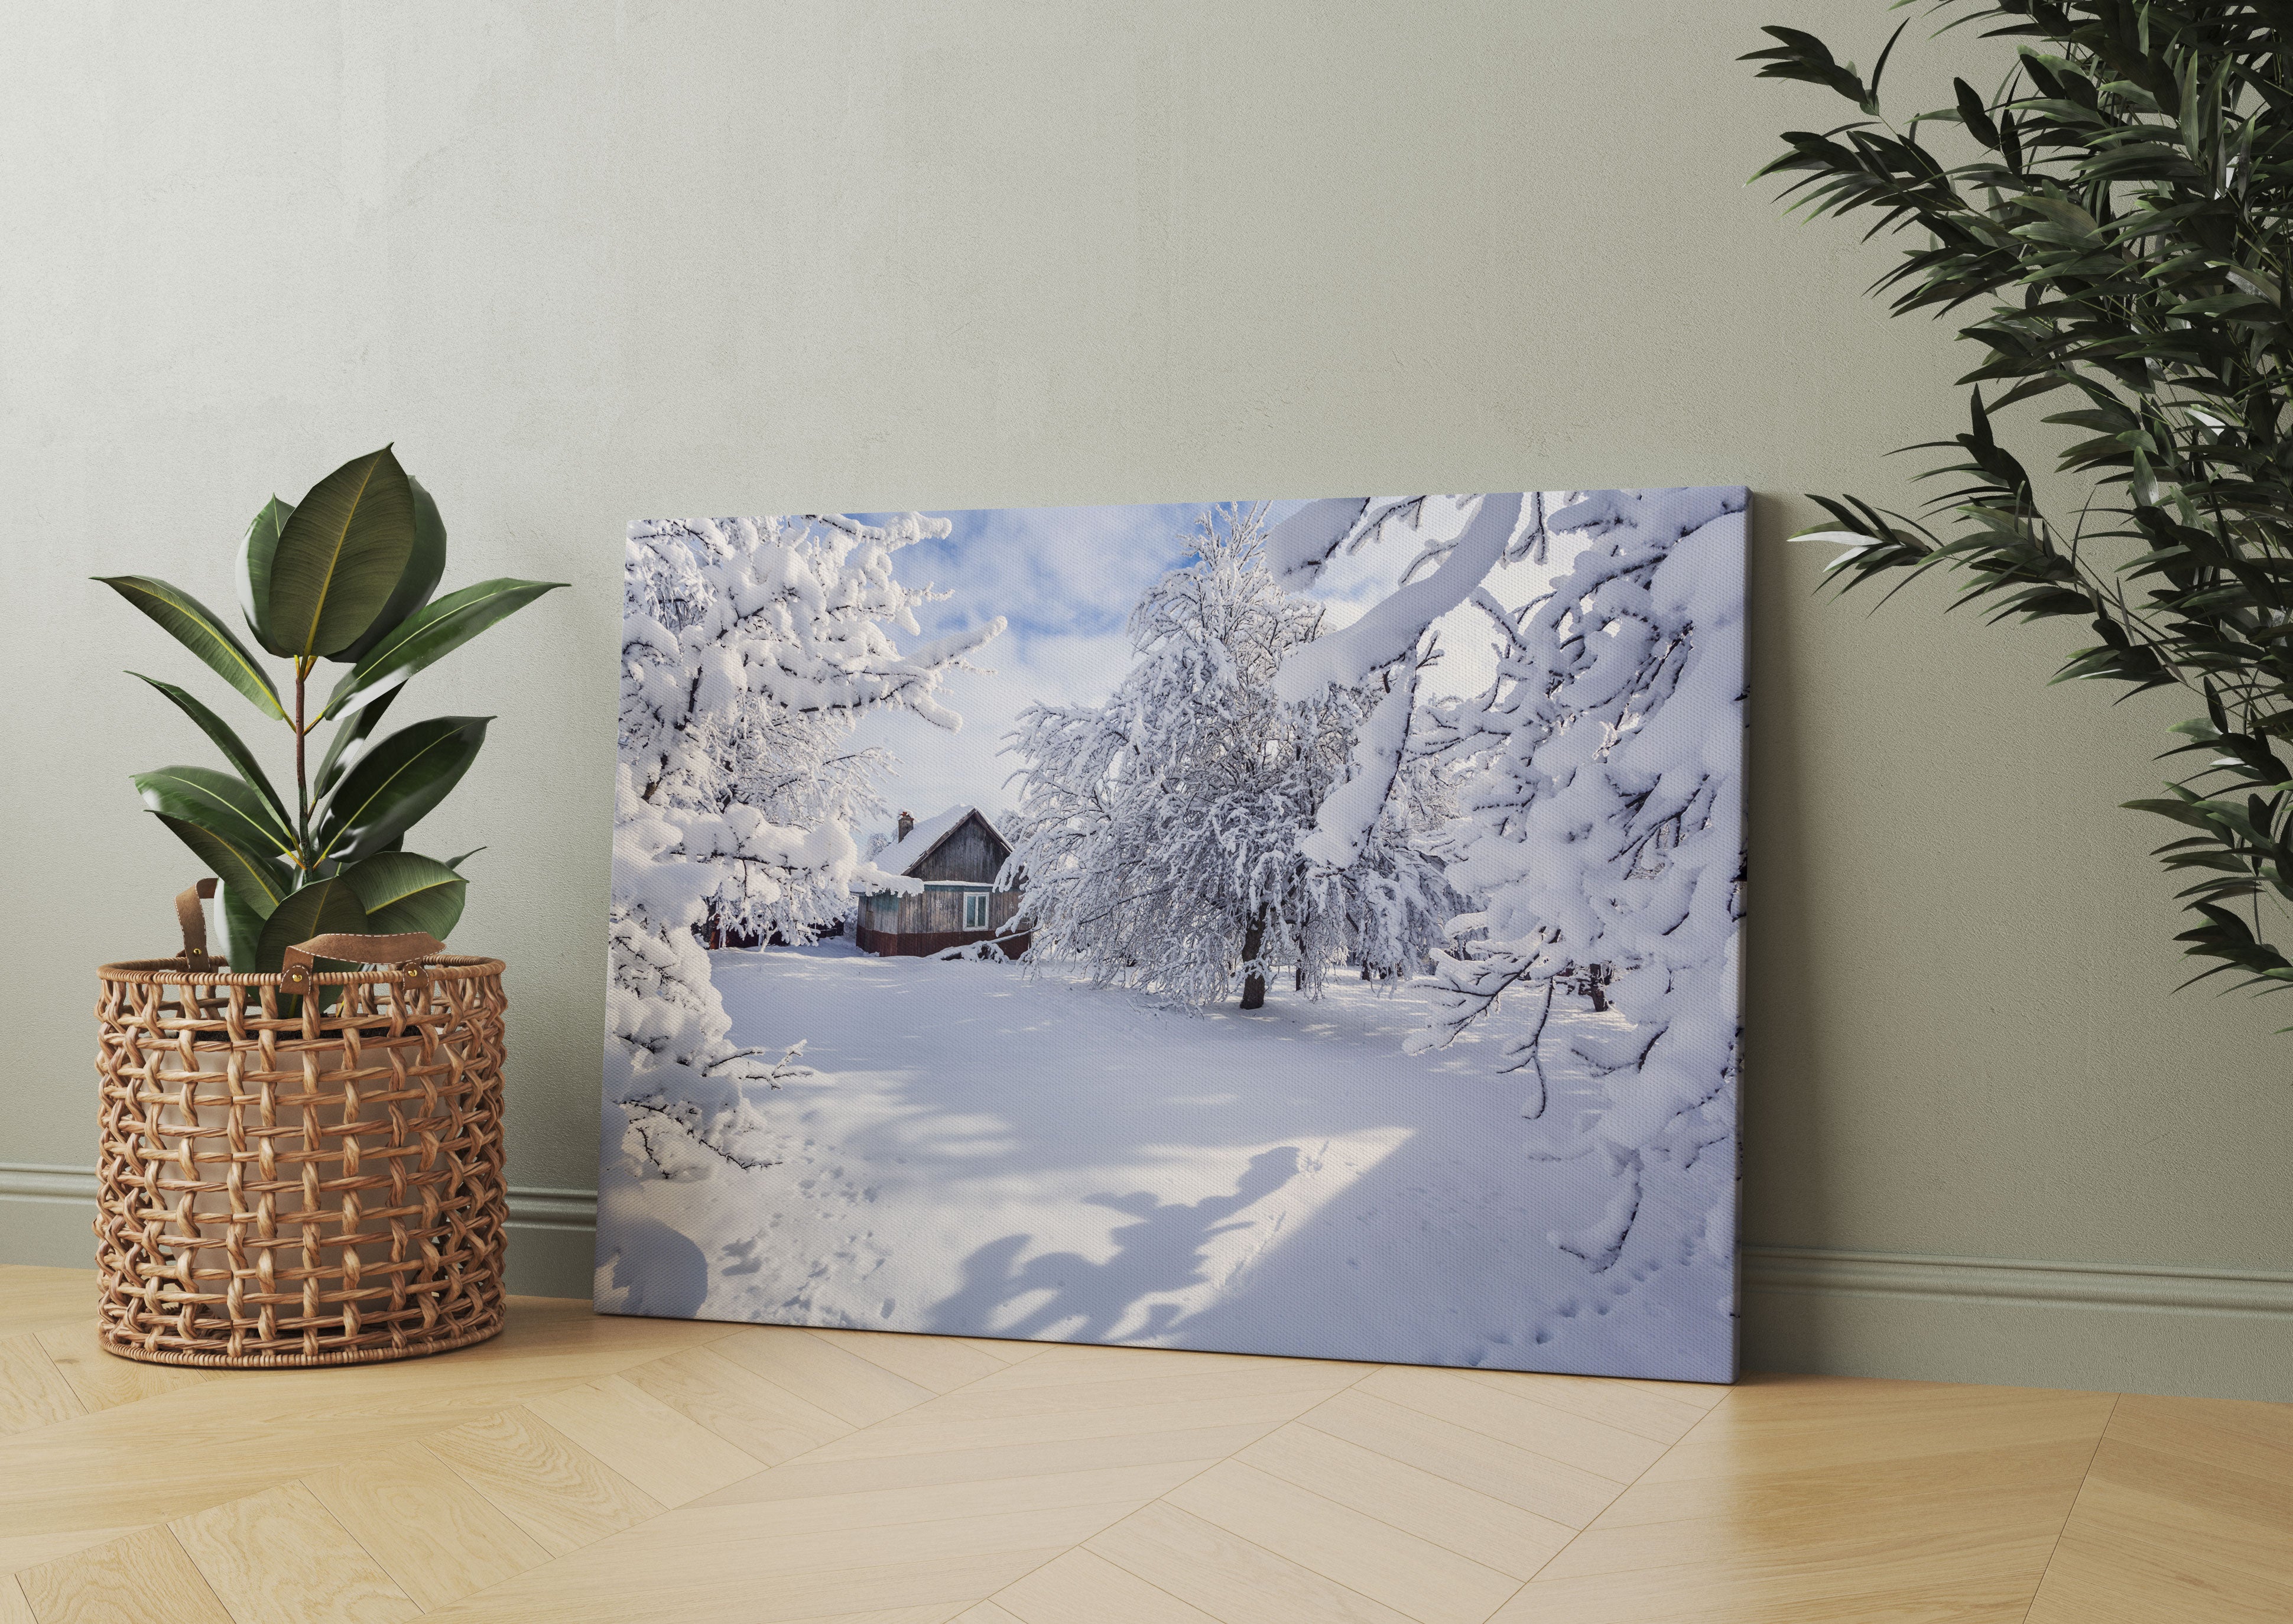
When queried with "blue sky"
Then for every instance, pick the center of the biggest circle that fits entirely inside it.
(1065, 580)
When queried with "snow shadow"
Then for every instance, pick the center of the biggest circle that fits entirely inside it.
(984, 1154)
(1166, 1250)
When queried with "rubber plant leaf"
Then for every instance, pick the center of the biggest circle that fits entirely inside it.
(402, 890)
(233, 747)
(419, 579)
(195, 626)
(429, 635)
(218, 802)
(349, 742)
(395, 784)
(319, 909)
(242, 927)
(340, 557)
(255, 550)
(261, 881)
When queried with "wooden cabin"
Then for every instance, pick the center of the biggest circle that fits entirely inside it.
(958, 856)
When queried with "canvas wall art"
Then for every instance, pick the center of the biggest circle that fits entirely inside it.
(1298, 928)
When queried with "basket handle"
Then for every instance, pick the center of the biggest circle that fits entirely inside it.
(296, 965)
(193, 919)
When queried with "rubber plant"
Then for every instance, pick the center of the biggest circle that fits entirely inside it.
(2111, 226)
(346, 576)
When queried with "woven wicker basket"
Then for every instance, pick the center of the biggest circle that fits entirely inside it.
(293, 1176)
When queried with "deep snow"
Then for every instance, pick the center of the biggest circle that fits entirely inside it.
(986, 1153)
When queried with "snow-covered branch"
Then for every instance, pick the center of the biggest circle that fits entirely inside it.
(1601, 839)
(751, 648)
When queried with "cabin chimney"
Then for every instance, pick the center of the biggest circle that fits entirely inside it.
(907, 824)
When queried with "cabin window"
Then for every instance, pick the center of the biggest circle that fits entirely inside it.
(974, 909)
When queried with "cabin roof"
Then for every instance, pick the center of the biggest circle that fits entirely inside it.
(926, 836)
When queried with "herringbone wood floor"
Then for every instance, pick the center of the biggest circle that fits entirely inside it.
(617, 1470)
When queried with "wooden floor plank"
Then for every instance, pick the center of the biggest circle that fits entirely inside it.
(2253, 1439)
(986, 1612)
(840, 1382)
(1664, 1416)
(1191, 1448)
(247, 1431)
(429, 1530)
(144, 1579)
(903, 1505)
(1059, 1363)
(1823, 1501)
(102, 1379)
(1082, 1587)
(928, 1591)
(1782, 1494)
(998, 1396)
(1805, 1423)
(1465, 1521)
(1550, 1489)
(1511, 1415)
(2164, 1535)
(1009, 1352)
(923, 1432)
(32, 1393)
(1414, 1577)
(280, 1557)
(1230, 1577)
(37, 1298)
(561, 1495)
(941, 1363)
(662, 1450)
(756, 1416)
(1991, 1584)
(726, 1561)
(19, 1551)
(581, 1469)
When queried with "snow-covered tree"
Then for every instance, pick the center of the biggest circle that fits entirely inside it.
(1601, 813)
(794, 768)
(749, 647)
(1160, 833)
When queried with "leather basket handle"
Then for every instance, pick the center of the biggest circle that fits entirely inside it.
(296, 964)
(193, 919)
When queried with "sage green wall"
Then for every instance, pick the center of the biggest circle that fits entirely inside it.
(584, 262)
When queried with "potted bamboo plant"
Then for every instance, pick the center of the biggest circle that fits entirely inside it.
(301, 1133)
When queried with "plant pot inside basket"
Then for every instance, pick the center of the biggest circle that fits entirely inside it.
(288, 1184)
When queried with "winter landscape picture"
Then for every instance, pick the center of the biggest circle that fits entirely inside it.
(1299, 926)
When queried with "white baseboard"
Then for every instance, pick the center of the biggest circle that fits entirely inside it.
(2137, 1328)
